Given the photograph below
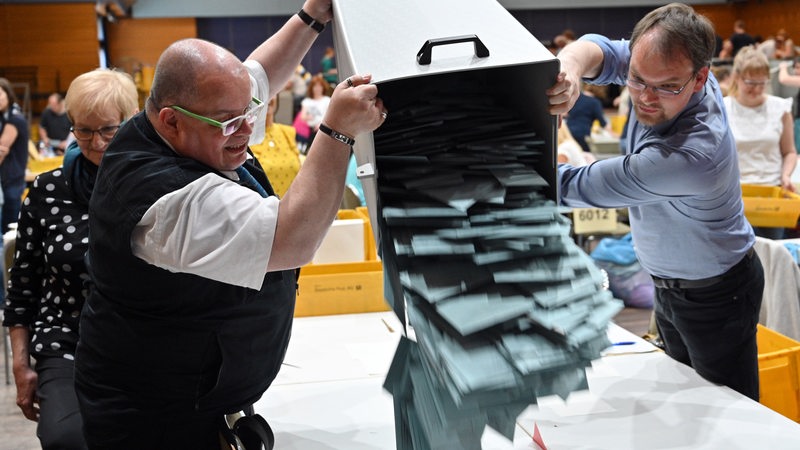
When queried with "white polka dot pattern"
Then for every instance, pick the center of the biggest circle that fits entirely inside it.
(47, 288)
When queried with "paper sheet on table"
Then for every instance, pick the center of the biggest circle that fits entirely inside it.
(581, 403)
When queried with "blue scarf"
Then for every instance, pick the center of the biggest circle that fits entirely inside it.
(79, 173)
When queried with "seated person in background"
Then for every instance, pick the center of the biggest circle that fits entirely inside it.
(789, 79)
(314, 106)
(740, 38)
(559, 42)
(298, 84)
(784, 46)
(762, 127)
(328, 63)
(54, 125)
(726, 52)
(277, 153)
(46, 290)
(569, 151)
(723, 76)
(14, 139)
(580, 119)
(767, 47)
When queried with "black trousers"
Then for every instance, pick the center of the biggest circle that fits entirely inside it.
(713, 329)
(123, 426)
(60, 425)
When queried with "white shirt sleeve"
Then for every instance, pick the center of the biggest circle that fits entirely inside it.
(213, 228)
(259, 88)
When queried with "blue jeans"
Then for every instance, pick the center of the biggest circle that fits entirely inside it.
(713, 329)
(12, 193)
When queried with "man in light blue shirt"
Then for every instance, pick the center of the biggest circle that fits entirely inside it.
(680, 179)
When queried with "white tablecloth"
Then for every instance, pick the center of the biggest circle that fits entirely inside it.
(329, 396)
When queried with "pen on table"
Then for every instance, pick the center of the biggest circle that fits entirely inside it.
(625, 343)
(391, 330)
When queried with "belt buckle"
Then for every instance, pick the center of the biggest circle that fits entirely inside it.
(665, 283)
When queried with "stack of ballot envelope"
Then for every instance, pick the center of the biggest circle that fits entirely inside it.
(502, 306)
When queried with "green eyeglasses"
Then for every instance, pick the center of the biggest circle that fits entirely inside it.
(229, 126)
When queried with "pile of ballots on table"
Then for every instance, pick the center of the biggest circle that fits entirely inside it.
(503, 305)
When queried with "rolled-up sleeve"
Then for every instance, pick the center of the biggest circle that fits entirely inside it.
(616, 59)
(259, 88)
(212, 228)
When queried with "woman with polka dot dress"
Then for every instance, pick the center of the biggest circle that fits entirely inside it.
(47, 285)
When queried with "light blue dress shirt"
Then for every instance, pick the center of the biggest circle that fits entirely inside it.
(679, 178)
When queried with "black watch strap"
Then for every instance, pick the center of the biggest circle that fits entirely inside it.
(310, 21)
(336, 135)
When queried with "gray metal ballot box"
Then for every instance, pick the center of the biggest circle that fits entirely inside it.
(424, 47)
(460, 183)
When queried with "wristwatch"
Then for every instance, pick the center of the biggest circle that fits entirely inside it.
(336, 135)
(310, 21)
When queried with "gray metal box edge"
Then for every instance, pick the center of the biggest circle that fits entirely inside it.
(383, 38)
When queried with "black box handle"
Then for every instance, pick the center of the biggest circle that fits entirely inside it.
(424, 54)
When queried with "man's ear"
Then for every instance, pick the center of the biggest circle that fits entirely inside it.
(702, 76)
(168, 122)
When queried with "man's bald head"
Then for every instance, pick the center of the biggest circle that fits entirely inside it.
(191, 68)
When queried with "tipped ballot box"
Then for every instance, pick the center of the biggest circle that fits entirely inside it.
(779, 372)
(460, 184)
(770, 206)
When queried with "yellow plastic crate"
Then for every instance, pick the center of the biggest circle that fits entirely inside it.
(343, 288)
(38, 166)
(779, 372)
(770, 206)
(350, 288)
(618, 123)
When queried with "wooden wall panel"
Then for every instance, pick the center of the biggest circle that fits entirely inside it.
(60, 39)
(722, 16)
(763, 17)
(133, 43)
(767, 16)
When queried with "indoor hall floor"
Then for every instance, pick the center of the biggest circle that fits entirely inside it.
(16, 432)
(19, 433)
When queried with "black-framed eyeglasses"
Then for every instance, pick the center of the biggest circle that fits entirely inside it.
(229, 126)
(86, 134)
(639, 86)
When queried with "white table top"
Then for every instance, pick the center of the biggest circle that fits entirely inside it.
(329, 396)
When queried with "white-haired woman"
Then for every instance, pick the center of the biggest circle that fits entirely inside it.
(47, 288)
